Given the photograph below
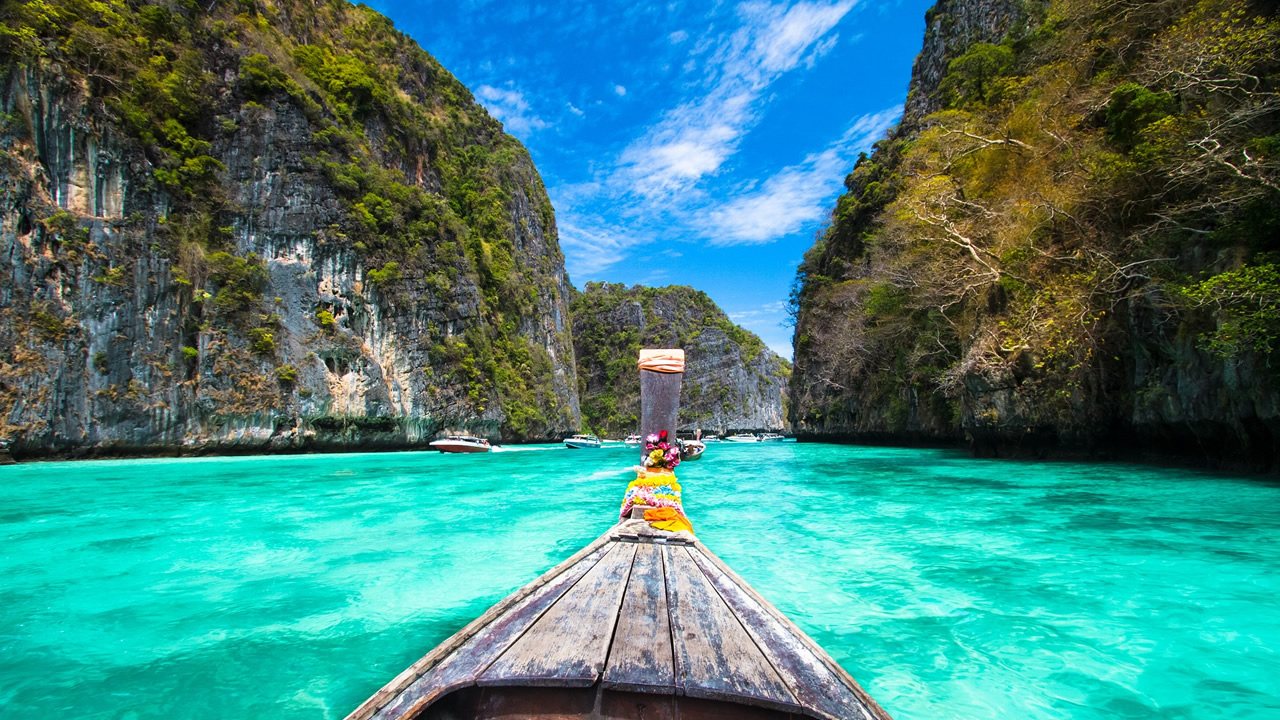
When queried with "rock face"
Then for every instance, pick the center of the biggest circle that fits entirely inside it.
(732, 381)
(951, 27)
(1051, 256)
(221, 238)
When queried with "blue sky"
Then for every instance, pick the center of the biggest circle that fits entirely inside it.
(698, 144)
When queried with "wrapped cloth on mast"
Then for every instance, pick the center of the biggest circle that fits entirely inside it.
(663, 361)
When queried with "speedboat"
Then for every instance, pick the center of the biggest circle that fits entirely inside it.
(633, 440)
(462, 444)
(771, 437)
(742, 437)
(711, 438)
(579, 442)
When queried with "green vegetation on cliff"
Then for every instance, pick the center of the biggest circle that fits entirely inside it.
(431, 196)
(1096, 202)
(732, 381)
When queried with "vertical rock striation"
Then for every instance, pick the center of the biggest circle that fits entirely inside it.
(219, 237)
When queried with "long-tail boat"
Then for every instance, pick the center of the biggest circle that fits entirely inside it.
(644, 623)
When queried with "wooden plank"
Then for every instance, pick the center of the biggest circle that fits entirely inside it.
(589, 554)
(659, 403)
(814, 685)
(864, 699)
(506, 622)
(640, 659)
(568, 645)
(715, 658)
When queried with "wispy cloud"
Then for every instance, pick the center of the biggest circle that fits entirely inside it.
(619, 90)
(695, 138)
(509, 106)
(592, 248)
(796, 195)
(661, 181)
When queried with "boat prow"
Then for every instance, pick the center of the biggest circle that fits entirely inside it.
(640, 624)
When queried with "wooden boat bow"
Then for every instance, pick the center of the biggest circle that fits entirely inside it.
(641, 624)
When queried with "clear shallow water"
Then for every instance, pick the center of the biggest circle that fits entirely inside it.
(293, 587)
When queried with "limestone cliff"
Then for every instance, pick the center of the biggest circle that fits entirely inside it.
(259, 226)
(732, 381)
(1069, 246)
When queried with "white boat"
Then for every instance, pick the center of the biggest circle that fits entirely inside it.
(579, 442)
(711, 438)
(462, 444)
(771, 437)
(633, 440)
(742, 437)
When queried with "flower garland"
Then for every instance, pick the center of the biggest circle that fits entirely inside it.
(656, 488)
(660, 454)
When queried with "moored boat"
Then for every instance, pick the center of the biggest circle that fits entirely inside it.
(771, 437)
(691, 450)
(632, 440)
(461, 444)
(742, 438)
(579, 442)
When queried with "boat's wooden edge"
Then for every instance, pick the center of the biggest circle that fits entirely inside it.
(809, 642)
(402, 681)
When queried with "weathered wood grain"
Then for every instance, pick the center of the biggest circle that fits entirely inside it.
(640, 659)
(792, 629)
(715, 658)
(503, 625)
(659, 402)
(812, 683)
(568, 645)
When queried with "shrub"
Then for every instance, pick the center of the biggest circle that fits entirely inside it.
(1133, 107)
(384, 278)
(262, 341)
(326, 320)
(240, 281)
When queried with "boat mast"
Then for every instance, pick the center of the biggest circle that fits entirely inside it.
(661, 373)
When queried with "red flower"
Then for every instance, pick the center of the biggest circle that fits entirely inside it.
(662, 436)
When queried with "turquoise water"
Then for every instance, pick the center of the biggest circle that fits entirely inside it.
(293, 587)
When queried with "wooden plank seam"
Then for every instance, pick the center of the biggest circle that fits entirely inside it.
(750, 636)
(867, 701)
(614, 635)
(539, 616)
(450, 646)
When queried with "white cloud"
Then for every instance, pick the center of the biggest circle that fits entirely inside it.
(574, 110)
(696, 138)
(592, 249)
(619, 90)
(509, 106)
(678, 37)
(659, 185)
(796, 195)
